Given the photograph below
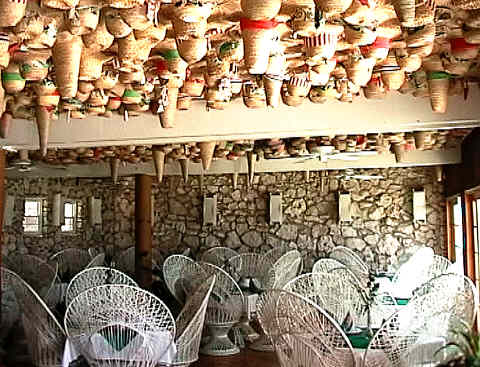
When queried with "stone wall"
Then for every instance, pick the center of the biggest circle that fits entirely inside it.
(382, 223)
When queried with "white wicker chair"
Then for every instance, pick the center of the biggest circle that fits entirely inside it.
(10, 311)
(286, 268)
(70, 262)
(224, 310)
(253, 273)
(45, 336)
(351, 260)
(302, 333)
(93, 277)
(276, 253)
(455, 293)
(120, 325)
(325, 265)
(37, 273)
(218, 256)
(438, 267)
(190, 324)
(344, 271)
(125, 260)
(182, 275)
(412, 336)
(98, 260)
(336, 295)
(55, 299)
(413, 273)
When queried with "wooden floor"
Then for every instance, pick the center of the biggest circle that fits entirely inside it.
(246, 358)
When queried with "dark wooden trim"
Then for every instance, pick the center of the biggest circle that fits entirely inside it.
(143, 231)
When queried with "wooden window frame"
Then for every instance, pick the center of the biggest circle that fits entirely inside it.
(42, 220)
(471, 267)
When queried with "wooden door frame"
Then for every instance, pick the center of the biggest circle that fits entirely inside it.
(469, 197)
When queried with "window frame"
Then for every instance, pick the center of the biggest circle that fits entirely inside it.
(74, 217)
(41, 223)
(78, 220)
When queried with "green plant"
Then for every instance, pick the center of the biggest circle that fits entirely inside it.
(466, 347)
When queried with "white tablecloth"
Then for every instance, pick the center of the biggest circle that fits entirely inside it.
(153, 345)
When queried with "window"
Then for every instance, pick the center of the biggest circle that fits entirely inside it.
(455, 230)
(33, 215)
(73, 213)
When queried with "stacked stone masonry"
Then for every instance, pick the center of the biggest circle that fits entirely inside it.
(381, 229)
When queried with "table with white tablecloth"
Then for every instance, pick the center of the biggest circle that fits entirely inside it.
(158, 346)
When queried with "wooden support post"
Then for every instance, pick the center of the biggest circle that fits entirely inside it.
(143, 231)
(2, 211)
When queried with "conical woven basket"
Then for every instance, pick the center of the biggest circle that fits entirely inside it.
(192, 49)
(273, 90)
(405, 10)
(438, 84)
(189, 29)
(399, 151)
(136, 17)
(333, 7)
(67, 53)
(298, 86)
(207, 149)
(424, 13)
(260, 9)
(155, 33)
(97, 98)
(408, 63)
(420, 137)
(84, 20)
(42, 116)
(167, 117)
(393, 79)
(374, 88)
(359, 71)
(100, 38)
(11, 12)
(257, 42)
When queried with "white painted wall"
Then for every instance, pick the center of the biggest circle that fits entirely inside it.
(395, 113)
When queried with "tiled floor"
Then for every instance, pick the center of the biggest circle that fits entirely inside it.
(246, 358)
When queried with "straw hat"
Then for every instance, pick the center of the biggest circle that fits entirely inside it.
(184, 102)
(194, 85)
(405, 10)
(322, 45)
(292, 101)
(107, 80)
(393, 80)
(333, 7)
(192, 49)
(66, 59)
(273, 89)
(421, 36)
(257, 42)
(134, 76)
(136, 17)
(100, 38)
(375, 88)
(12, 80)
(253, 95)
(52, 99)
(176, 65)
(359, 35)
(438, 84)
(114, 103)
(303, 20)
(91, 64)
(231, 50)
(84, 18)
(115, 23)
(11, 12)
(408, 63)
(378, 49)
(298, 86)
(321, 94)
(215, 99)
(131, 96)
(192, 11)
(260, 10)
(184, 29)
(359, 69)
(82, 96)
(320, 73)
(155, 33)
(359, 13)
(97, 98)
(421, 51)
(33, 64)
(461, 49)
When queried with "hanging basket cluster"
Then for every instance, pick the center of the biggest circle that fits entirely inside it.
(83, 58)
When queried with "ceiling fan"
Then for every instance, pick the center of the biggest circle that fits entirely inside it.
(328, 152)
(350, 175)
(23, 163)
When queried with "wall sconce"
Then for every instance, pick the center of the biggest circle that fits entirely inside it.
(344, 208)
(419, 206)
(94, 211)
(210, 210)
(276, 211)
